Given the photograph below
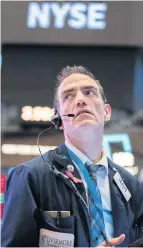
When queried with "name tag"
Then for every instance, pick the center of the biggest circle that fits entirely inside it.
(55, 239)
(126, 193)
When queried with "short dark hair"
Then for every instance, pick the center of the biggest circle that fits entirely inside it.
(69, 70)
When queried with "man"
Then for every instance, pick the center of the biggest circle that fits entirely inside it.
(74, 195)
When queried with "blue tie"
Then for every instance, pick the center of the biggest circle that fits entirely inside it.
(96, 210)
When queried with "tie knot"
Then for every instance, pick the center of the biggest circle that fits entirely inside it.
(93, 168)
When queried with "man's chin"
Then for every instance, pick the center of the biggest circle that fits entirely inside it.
(85, 123)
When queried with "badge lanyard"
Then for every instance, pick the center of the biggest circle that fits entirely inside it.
(84, 171)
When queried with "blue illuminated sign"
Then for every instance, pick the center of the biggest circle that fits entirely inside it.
(0, 60)
(122, 138)
(76, 15)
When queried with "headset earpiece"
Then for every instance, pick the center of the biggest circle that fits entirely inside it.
(56, 120)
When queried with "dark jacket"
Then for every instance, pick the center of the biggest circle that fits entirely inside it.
(33, 188)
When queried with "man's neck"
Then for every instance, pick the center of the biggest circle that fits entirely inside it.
(90, 145)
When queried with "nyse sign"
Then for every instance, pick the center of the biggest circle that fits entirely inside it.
(79, 22)
(73, 15)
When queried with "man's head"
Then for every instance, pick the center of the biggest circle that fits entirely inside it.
(79, 93)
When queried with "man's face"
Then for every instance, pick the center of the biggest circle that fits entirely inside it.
(79, 94)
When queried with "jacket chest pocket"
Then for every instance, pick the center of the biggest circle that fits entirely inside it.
(55, 231)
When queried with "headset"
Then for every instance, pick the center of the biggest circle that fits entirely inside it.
(56, 119)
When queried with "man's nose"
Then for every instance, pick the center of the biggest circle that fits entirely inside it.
(80, 99)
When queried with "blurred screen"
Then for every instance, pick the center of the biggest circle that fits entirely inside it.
(29, 72)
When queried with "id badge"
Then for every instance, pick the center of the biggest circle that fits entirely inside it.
(121, 185)
(55, 239)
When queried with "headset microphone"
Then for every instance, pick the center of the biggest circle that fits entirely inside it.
(69, 115)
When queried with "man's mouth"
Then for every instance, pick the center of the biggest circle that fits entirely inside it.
(82, 112)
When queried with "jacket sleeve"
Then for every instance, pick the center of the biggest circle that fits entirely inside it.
(138, 207)
(18, 224)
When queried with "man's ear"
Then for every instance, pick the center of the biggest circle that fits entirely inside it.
(108, 111)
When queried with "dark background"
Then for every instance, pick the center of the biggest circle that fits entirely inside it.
(29, 72)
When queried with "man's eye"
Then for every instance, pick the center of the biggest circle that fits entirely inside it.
(68, 97)
(90, 92)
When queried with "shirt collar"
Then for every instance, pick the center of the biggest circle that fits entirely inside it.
(103, 161)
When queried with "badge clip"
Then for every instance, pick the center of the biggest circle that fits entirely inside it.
(74, 179)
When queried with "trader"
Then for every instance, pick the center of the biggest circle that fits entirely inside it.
(74, 196)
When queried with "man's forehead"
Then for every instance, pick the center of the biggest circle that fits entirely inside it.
(77, 79)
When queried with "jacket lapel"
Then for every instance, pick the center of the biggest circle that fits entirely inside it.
(118, 207)
(62, 165)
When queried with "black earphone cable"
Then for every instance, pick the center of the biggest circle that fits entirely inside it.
(39, 146)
